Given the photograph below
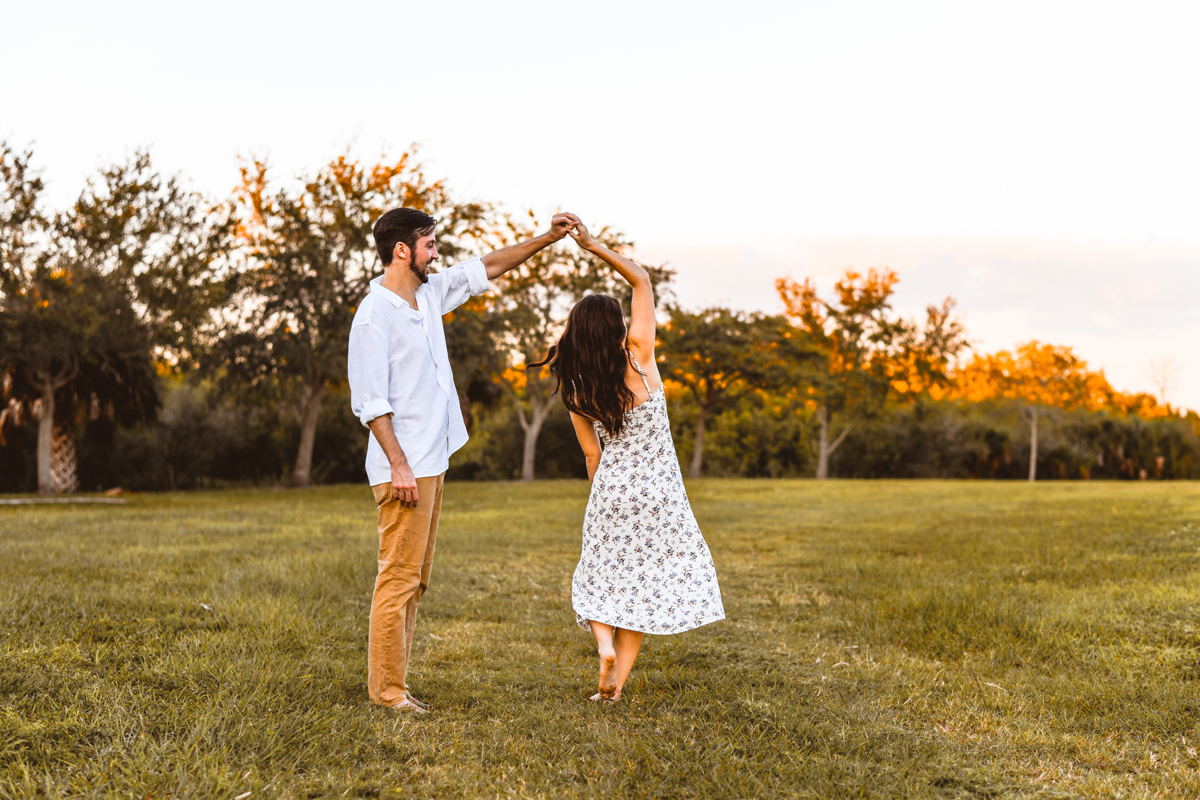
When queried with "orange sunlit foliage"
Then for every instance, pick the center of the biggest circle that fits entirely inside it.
(850, 332)
(1141, 404)
(1036, 373)
(857, 333)
(514, 377)
(867, 354)
(911, 376)
(1049, 375)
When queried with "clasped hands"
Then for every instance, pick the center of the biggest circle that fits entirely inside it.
(566, 224)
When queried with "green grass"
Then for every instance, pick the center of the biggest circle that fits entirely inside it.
(884, 639)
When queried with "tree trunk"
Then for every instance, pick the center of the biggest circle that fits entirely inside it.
(56, 460)
(308, 433)
(532, 429)
(64, 462)
(698, 447)
(825, 448)
(823, 444)
(1033, 444)
(45, 439)
(539, 409)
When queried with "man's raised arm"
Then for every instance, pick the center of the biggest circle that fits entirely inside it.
(501, 261)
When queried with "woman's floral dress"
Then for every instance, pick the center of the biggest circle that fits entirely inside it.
(645, 565)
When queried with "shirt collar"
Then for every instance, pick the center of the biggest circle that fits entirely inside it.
(393, 298)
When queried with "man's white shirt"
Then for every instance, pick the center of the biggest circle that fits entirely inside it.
(398, 365)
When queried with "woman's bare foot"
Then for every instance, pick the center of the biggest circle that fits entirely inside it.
(598, 698)
(608, 673)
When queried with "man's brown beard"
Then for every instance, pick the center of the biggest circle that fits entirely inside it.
(421, 270)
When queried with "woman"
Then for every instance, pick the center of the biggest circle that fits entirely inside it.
(644, 567)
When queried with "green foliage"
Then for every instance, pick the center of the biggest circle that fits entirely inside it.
(91, 298)
(891, 639)
(201, 438)
(991, 440)
(161, 244)
(311, 258)
(719, 355)
(494, 451)
(141, 276)
(206, 437)
(763, 436)
(74, 332)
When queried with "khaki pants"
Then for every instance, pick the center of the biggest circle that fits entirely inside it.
(406, 540)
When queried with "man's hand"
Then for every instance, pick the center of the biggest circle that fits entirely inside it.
(561, 224)
(404, 485)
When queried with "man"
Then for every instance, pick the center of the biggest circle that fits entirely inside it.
(402, 389)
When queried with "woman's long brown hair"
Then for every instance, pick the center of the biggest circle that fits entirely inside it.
(589, 361)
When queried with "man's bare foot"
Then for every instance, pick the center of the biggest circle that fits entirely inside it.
(608, 673)
(415, 701)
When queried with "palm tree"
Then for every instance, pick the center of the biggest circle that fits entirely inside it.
(90, 299)
(73, 347)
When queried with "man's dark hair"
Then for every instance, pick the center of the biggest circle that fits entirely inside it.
(405, 225)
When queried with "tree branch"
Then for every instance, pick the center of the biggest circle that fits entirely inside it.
(843, 434)
(517, 402)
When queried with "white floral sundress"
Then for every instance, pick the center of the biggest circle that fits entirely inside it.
(645, 565)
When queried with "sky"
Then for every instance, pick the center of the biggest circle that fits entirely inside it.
(1036, 161)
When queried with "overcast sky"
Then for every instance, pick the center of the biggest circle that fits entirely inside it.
(1038, 161)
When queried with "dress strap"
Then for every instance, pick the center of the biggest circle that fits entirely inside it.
(638, 367)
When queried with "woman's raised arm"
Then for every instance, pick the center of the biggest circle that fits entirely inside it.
(641, 326)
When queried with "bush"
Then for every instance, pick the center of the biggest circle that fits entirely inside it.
(205, 437)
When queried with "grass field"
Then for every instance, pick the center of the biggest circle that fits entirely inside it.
(884, 639)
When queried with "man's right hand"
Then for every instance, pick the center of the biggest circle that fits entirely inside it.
(404, 485)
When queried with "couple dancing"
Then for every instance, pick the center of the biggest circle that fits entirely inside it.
(644, 566)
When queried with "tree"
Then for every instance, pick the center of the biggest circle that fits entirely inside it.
(125, 275)
(716, 354)
(471, 336)
(530, 310)
(21, 222)
(1038, 376)
(1163, 372)
(311, 259)
(866, 354)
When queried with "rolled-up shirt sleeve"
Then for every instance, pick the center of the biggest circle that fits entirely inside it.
(462, 282)
(477, 277)
(367, 367)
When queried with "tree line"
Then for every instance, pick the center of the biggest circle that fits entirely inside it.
(152, 338)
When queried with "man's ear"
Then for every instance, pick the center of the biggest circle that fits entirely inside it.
(399, 252)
